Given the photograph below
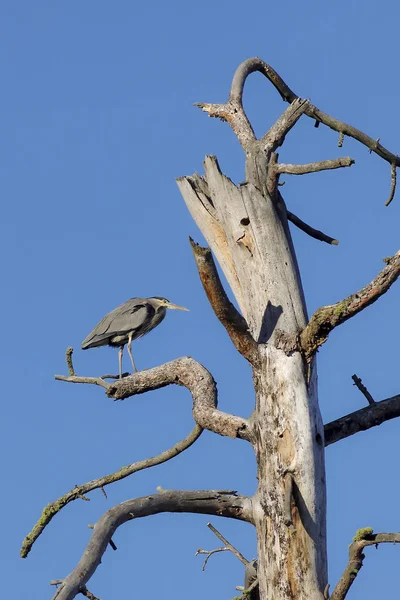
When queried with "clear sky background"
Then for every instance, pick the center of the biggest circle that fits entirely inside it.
(97, 122)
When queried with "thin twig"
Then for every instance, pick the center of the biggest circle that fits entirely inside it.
(314, 233)
(393, 184)
(113, 546)
(358, 382)
(322, 165)
(341, 139)
(235, 551)
(54, 507)
(209, 553)
(76, 379)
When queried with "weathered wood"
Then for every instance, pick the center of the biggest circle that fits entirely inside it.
(210, 502)
(287, 426)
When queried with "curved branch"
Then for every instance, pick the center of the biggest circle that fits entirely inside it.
(233, 112)
(364, 537)
(252, 65)
(363, 419)
(327, 318)
(231, 319)
(188, 373)
(78, 491)
(221, 503)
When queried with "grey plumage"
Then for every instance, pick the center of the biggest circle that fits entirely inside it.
(128, 322)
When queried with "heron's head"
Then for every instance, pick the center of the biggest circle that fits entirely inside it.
(158, 302)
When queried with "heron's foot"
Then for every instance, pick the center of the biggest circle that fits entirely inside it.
(108, 376)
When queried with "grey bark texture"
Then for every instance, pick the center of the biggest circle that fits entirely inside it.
(288, 432)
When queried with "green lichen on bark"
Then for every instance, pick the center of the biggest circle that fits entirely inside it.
(363, 534)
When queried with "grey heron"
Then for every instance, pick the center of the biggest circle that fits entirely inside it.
(127, 322)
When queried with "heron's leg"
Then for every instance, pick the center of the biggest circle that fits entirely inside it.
(120, 353)
(130, 353)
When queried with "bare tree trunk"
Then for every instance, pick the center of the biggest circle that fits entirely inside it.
(289, 507)
(246, 227)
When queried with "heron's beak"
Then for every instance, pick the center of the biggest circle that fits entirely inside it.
(175, 306)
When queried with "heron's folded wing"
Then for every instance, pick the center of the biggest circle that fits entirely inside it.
(127, 317)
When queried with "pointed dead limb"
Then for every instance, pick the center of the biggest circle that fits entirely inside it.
(76, 379)
(314, 233)
(393, 184)
(322, 165)
(326, 318)
(363, 419)
(223, 308)
(358, 382)
(227, 544)
(364, 537)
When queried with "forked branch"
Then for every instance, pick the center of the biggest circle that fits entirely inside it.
(363, 538)
(371, 416)
(222, 503)
(252, 65)
(327, 318)
(78, 491)
(223, 308)
(232, 111)
(228, 547)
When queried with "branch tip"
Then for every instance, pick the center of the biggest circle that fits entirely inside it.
(393, 183)
(358, 382)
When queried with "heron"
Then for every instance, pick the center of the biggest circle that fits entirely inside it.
(128, 322)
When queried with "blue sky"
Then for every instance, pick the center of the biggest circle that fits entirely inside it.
(97, 122)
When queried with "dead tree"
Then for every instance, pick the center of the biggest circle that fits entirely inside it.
(246, 227)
